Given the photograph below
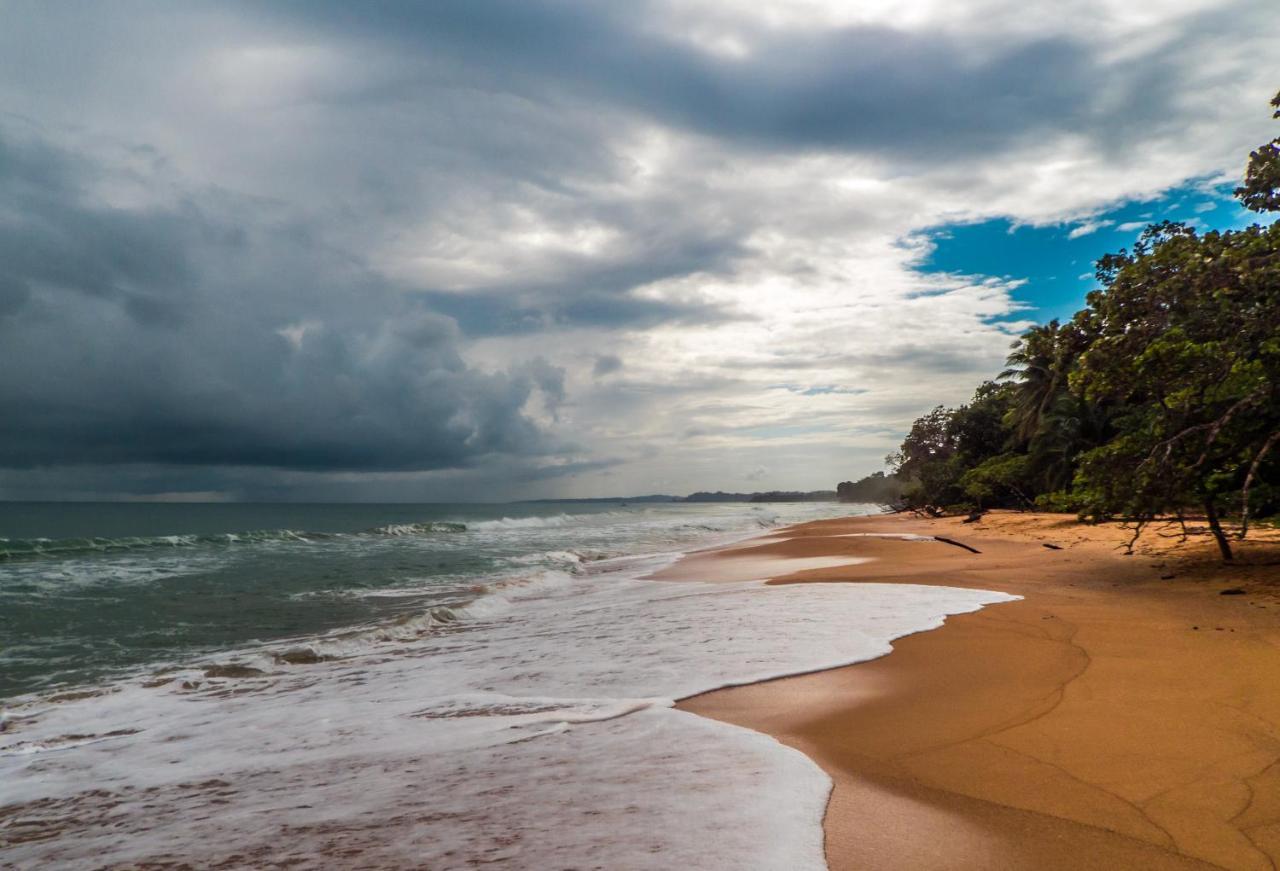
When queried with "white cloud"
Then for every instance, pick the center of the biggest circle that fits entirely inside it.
(1087, 228)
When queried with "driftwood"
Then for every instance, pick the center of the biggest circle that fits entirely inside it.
(956, 543)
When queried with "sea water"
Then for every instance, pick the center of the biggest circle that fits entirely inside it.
(409, 686)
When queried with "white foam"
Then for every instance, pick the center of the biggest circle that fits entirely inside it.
(563, 557)
(24, 581)
(527, 522)
(539, 734)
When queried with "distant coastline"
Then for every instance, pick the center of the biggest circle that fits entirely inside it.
(701, 497)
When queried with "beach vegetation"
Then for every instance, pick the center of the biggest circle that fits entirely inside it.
(1260, 191)
(1160, 397)
(876, 488)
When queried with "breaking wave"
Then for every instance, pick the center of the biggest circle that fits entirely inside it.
(530, 522)
(35, 548)
(493, 600)
(399, 529)
(18, 548)
(58, 548)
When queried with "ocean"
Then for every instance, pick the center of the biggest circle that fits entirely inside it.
(431, 686)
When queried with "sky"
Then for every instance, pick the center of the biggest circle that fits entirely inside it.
(512, 250)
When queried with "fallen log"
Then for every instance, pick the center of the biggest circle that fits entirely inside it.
(956, 543)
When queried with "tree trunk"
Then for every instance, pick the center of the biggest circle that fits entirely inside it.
(1031, 505)
(1215, 526)
(1248, 482)
(1137, 532)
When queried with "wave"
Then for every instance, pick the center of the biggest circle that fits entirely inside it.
(530, 522)
(17, 548)
(35, 548)
(401, 529)
(555, 557)
(493, 600)
(468, 710)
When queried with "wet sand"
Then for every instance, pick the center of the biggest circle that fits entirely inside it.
(1124, 714)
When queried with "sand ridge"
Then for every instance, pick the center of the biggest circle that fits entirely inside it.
(1124, 714)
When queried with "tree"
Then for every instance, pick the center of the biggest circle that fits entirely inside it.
(1040, 363)
(1189, 345)
(1049, 422)
(876, 488)
(944, 443)
(928, 442)
(1261, 189)
(1001, 479)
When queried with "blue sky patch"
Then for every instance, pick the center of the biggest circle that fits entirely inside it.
(1057, 261)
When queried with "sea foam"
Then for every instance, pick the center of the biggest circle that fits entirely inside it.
(533, 728)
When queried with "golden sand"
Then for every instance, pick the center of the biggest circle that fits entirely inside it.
(1124, 714)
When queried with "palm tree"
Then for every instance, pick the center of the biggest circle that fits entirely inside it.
(1040, 361)
(1069, 427)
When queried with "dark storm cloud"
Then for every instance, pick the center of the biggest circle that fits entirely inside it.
(867, 88)
(496, 313)
(50, 239)
(504, 475)
(215, 337)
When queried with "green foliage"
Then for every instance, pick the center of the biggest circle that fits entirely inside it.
(1162, 395)
(1062, 501)
(1187, 344)
(946, 443)
(1261, 189)
(1001, 479)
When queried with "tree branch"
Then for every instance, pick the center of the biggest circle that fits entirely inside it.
(1214, 428)
(1222, 421)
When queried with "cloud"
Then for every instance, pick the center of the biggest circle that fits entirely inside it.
(217, 337)
(819, 389)
(871, 85)
(606, 364)
(325, 250)
(1087, 228)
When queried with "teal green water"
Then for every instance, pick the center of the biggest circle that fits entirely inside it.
(91, 590)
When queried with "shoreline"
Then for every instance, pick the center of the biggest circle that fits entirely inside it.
(319, 759)
(1122, 714)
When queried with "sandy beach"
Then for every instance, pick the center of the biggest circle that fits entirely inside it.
(1124, 714)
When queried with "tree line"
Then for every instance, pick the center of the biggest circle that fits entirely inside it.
(1161, 397)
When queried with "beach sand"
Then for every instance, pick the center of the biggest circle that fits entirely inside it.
(1124, 714)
